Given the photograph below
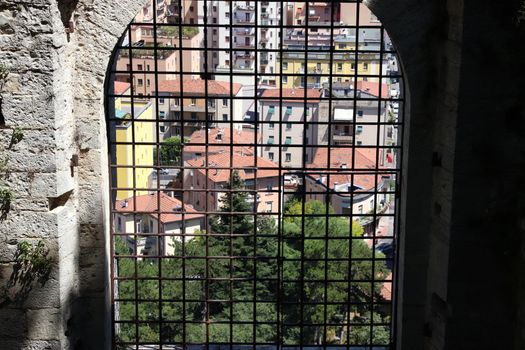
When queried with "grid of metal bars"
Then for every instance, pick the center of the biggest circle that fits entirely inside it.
(313, 270)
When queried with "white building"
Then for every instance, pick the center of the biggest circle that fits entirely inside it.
(235, 50)
(176, 221)
(286, 126)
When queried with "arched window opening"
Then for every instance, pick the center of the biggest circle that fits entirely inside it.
(255, 162)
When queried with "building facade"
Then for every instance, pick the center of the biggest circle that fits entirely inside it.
(279, 136)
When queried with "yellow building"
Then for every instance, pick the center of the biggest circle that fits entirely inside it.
(318, 61)
(139, 155)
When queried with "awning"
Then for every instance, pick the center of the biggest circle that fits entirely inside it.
(344, 114)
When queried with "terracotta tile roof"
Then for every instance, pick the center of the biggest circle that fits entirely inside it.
(240, 162)
(121, 87)
(148, 203)
(341, 158)
(373, 88)
(222, 144)
(312, 95)
(198, 87)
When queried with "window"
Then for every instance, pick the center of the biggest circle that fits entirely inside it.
(140, 82)
(365, 66)
(139, 67)
(195, 144)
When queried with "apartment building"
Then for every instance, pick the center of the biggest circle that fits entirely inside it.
(217, 177)
(280, 137)
(191, 11)
(234, 50)
(359, 119)
(320, 63)
(196, 109)
(137, 131)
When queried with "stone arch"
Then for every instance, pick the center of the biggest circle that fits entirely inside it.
(78, 88)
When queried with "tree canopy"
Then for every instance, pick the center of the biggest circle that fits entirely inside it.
(321, 267)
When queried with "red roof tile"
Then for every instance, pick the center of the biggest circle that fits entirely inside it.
(341, 158)
(372, 88)
(239, 162)
(222, 144)
(198, 87)
(121, 87)
(148, 204)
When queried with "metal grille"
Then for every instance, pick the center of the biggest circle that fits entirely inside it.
(255, 151)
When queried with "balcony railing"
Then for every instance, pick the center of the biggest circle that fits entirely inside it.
(195, 108)
(244, 19)
(246, 55)
(343, 138)
(244, 31)
(244, 7)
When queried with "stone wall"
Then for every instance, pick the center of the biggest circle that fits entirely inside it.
(462, 253)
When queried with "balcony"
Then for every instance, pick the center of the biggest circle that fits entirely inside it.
(244, 45)
(245, 31)
(245, 55)
(343, 138)
(315, 70)
(195, 108)
(244, 7)
(242, 20)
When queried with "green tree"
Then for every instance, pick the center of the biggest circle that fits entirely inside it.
(326, 240)
(170, 152)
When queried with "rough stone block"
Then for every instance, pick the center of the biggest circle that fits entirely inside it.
(44, 324)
